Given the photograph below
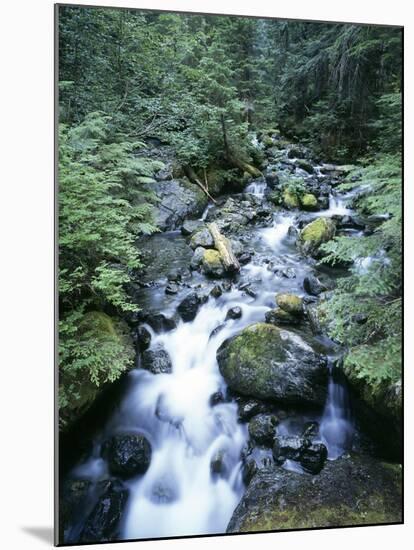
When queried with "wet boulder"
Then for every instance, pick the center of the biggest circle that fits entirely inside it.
(103, 523)
(191, 226)
(309, 202)
(266, 362)
(314, 234)
(202, 238)
(127, 454)
(211, 264)
(262, 429)
(160, 322)
(142, 337)
(72, 500)
(216, 291)
(280, 317)
(291, 303)
(313, 458)
(188, 308)
(348, 491)
(272, 179)
(156, 361)
(290, 200)
(197, 258)
(313, 286)
(234, 313)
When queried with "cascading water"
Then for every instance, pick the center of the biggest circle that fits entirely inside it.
(336, 426)
(274, 235)
(257, 188)
(194, 481)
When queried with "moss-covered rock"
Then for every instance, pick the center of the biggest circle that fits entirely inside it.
(102, 351)
(309, 202)
(362, 367)
(266, 362)
(211, 263)
(314, 234)
(290, 200)
(291, 303)
(348, 491)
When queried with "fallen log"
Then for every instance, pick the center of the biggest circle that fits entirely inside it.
(223, 246)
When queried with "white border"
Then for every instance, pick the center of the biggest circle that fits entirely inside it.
(26, 304)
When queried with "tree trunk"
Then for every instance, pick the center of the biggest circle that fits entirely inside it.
(223, 246)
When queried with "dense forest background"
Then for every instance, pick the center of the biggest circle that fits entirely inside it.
(204, 85)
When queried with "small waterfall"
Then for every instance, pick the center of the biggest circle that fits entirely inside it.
(205, 212)
(273, 236)
(336, 426)
(257, 188)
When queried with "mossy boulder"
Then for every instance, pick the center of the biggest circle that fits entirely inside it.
(347, 492)
(266, 362)
(309, 202)
(290, 200)
(305, 165)
(211, 263)
(291, 303)
(314, 234)
(104, 350)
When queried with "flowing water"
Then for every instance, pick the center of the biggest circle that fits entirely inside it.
(180, 494)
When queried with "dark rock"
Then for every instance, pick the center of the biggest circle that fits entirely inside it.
(272, 179)
(189, 306)
(127, 454)
(310, 430)
(202, 238)
(280, 317)
(348, 491)
(234, 313)
(143, 337)
(313, 458)
(245, 258)
(171, 288)
(72, 501)
(269, 363)
(160, 322)
(178, 200)
(191, 226)
(197, 257)
(312, 285)
(262, 429)
(250, 468)
(102, 524)
(289, 447)
(216, 291)
(216, 398)
(156, 361)
(219, 464)
(249, 408)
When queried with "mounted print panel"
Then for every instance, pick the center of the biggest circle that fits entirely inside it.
(229, 255)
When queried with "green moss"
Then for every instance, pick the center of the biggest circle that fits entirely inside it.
(267, 141)
(211, 263)
(315, 233)
(309, 202)
(323, 516)
(290, 200)
(290, 303)
(99, 352)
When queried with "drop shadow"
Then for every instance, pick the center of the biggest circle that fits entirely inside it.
(44, 534)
